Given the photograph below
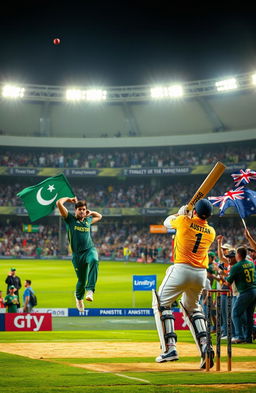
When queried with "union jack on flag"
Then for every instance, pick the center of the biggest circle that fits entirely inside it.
(243, 177)
(241, 198)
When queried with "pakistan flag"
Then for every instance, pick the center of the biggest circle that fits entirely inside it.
(40, 200)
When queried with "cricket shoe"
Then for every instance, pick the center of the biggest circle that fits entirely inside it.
(167, 357)
(203, 358)
(236, 340)
(79, 304)
(89, 296)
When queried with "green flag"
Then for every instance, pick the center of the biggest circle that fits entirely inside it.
(40, 200)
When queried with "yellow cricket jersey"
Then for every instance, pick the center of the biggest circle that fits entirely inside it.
(192, 240)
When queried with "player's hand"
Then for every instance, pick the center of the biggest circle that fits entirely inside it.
(72, 200)
(183, 211)
(219, 238)
(88, 213)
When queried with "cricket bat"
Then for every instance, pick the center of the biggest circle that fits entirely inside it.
(207, 184)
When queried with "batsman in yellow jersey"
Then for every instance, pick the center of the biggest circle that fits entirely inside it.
(187, 277)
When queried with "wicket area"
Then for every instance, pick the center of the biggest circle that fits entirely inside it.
(218, 328)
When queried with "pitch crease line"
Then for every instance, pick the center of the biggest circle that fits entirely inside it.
(137, 379)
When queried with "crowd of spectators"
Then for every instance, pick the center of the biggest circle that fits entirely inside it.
(110, 240)
(143, 246)
(15, 242)
(122, 158)
(124, 195)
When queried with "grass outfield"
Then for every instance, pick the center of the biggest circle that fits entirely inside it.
(38, 376)
(54, 282)
(72, 375)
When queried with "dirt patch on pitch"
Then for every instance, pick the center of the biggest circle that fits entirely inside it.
(103, 349)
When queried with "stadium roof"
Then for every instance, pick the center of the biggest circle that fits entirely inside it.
(140, 93)
(207, 107)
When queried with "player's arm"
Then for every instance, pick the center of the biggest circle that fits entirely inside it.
(95, 216)
(26, 303)
(19, 284)
(182, 211)
(230, 278)
(168, 221)
(212, 276)
(8, 279)
(60, 205)
(221, 255)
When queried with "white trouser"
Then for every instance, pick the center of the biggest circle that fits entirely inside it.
(183, 279)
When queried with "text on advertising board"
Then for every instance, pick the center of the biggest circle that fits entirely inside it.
(144, 283)
(28, 322)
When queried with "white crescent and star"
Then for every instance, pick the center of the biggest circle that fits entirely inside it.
(41, 200)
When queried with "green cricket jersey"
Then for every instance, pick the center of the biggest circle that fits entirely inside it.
(10, 305)
(79, 234)
(210, 269)
(243, 274)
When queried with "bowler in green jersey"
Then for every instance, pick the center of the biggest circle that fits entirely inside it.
(84, 255)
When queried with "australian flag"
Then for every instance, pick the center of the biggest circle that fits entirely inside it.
(241, 198)
(243, 177)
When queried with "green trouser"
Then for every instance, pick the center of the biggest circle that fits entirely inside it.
(86, 266)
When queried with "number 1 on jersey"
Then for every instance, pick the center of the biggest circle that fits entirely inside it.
(198, 239)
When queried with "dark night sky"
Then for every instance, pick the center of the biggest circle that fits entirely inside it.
(114, 45)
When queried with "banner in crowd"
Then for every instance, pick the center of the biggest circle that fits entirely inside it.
(112, 172)
(175, 170)
(111, 212)
(161, 229)
(157, 229)
(30, 228)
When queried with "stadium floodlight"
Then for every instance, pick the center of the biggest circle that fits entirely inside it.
(75, 94)
(254, 79)
(11, 91)
(160, 92)
(175, 91)
(88, 95)
(96, 95)
(226, 84)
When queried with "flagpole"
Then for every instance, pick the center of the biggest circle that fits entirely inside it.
(238, 210)
(244, 223)
(60, 237)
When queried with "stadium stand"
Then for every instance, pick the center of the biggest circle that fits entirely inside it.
(136, 161)
(116, 158)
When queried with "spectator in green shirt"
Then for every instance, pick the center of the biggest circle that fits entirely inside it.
(243, 275)
(11, 300)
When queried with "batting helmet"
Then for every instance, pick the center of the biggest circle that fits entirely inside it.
(203, 208)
